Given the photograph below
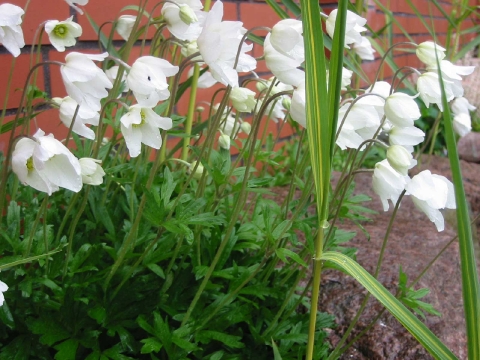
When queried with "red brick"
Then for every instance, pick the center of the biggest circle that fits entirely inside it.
(20, 72)
(254, 14)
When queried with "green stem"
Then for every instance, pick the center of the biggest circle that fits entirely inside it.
(191, 111)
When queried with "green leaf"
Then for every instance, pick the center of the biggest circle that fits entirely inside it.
(431, 343)
(470, 284)
(231, 341)
(283, 253)
(150, 345)
(280, 12)
(67, 350)
(281, 229)
(276, 352)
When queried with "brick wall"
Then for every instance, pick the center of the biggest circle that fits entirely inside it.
(252, 13)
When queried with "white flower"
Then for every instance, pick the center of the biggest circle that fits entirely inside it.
(124, 25)
(287, 38)
(407, 137)
(112, 74)
(218, 44)
(462, 122)
(360, 124)
(92, 172)
(452, 73)
(224, 141)
(401, 109)
(78, 2)
(354, 27)
(46, 164)
(283, 67)
(141, 125)
(205, 80)
(274, 109)
(184, 20)
(148, 80)
(243, 99)
(63, 33)
(387, 183)
(84, 81)
(11, 34)
(364, 49)
(430, 193)
(85, 116)
(426, 52)
(428, 85)
(297, 107)
(400, 159)
(3, 288)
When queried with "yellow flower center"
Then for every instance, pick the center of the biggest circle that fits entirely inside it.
(30, 163)
(60, 30)
(142, 117)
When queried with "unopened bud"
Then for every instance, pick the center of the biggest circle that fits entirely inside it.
(260, 85)
(224, 141)
(286, 102)
(200, 109)
(187, 15)
(400, 159)
(246, 127)
(198, 172)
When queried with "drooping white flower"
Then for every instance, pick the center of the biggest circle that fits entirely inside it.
(141, 125)
(388, 183)
(430, 193)
(354, 26)
(451, 72)
(11, 34)
(426, 52)
(184, 20)
(148, 80)
(361, 123)
(381, 89)
(462, 122)
(83, 80)
(92, 172)
(218, 44)
(46, 164)
(407, 137)
(230, 125)
(63, 33)
(85, 116)
(78, 2)
(364, 49)
(3, 288)
(287, 38)
(124, 25)
(297, 107)
(400, 159)
(428, 85)
(401, 109)
(243, 99)
(282, 66)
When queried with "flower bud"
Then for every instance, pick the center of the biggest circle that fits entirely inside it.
(198, 172)
(426, 52)
(400, 159)
(246, 127)
(286, 102)
(261, 85)
(125, 25)
(243, 99)
(224, 141)
(200, 109)
(187, 15)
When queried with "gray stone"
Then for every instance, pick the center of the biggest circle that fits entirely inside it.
(469, 147)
